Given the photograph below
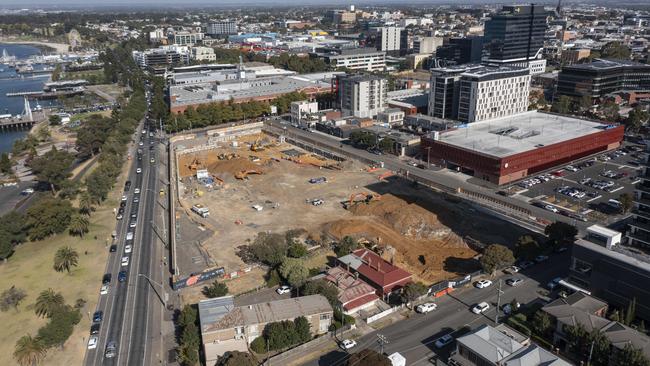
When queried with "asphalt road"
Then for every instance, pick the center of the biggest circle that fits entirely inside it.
(414, 337)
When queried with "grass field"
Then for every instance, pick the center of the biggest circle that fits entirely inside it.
(30, 269)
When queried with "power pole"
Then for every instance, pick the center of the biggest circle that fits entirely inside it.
(381, 339)
(496, 314)
(591, 350)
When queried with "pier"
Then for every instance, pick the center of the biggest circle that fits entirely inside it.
(16, 124)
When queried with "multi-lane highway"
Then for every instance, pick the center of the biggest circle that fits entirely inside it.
(134, 265)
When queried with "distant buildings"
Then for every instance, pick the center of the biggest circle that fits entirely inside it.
(301, 110)
(361, 95)
(203, 54)
(221, 27)
(428, 45)
(185, 38)
(367, 59)
(601, 77)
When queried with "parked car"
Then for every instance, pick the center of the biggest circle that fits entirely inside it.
(514, 281)
(98, 316)
(106, 279)
(426, 307)
(283, 290)
(128, 248)
(511, 270)
(571, 168)
(92, 342)
(554, 283)
(480, 307)
(444, 340)
(121, 277)
(526, 264)
(113, 248)
(551, 208)
(125, 261)
(541, 258)
(483, 283)
(103, 290)
(348, 343)
(138, 171)
(94, 329)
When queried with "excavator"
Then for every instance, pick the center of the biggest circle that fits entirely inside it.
(257, 145)
(359, 197)
(194, 165)
(244, 173)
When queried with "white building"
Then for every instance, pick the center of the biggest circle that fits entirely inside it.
(388, 38)
(391, 117)
(203, 54)
(222, 27)
(362, 96)
(426, 44)
(356, 59)
(301, 109)
(185, 38)
(157, 35)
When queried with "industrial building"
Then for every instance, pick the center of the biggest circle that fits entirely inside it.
(506, 149)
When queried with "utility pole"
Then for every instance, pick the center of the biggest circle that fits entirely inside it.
(591, 350)
(381, 339)
(496, 314)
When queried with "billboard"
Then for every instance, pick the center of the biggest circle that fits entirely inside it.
(198, 278)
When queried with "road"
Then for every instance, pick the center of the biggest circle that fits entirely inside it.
(395, 164)
(414, 337)
(130, 306)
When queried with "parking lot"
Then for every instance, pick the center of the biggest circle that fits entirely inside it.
(587, 189)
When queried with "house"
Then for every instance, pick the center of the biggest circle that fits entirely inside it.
(226, 327)
(500, 346)
(588, 312)
(354, 293)
(385, 277)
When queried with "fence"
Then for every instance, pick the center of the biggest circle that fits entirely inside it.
(283, 357)
(383, 314)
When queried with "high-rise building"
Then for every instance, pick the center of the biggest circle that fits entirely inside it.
(426, 44)
(638, 234)
(362, 96)
(460, 51)
(445, 83)
(388, 38)
(185, 38)
(222, 27)
(354, 58)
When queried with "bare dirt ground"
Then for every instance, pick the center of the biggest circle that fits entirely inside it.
(420, 230)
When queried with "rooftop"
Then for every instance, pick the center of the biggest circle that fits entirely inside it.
(506, 136)
(490, 343)
(606, 64)
(374, 267)
(619, 252)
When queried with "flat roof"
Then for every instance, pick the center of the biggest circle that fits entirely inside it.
(506, 136)
(606, 64)
(601, 230)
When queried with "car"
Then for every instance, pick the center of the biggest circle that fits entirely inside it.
(121, 276)
(541, 258)
(141, 143)
(111, 350)
(136, 191)
(113, 248)
(128, 248)
(124, 198)
(511, 270)
(508, 308)
(125, 261)
(133, 223)
(134, 214)
(94, 329)
(103, 290)
(107, 278)
(526, 264)
(444, 340)
(92, 342)
(514, 281)
(129, 235)
(119, 216)
(283, 290)
(138, 171)
(98, 316)
(152, 160)
(136, 199)
(426, 307)
(122, 204)
(480, 307)
(348, 343)
(554, 283)
(551, 208)
(483, 283)
(571, 168)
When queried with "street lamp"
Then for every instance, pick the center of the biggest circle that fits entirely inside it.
(151, 283)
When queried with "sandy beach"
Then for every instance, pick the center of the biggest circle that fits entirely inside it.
(56, 47)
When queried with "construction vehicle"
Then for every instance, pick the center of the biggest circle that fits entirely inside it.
(257, 146)
(244, 173)
(194, 165)
(201, 210)
(356, 198)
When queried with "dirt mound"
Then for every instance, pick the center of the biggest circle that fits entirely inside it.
(232, 166)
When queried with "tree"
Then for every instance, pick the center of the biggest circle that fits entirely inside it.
(636, 118)
(296, 250)
(29, 351)
(236, 358)
(53, 167)
(412, 291)
(610, 110)
(577, 338)
(5, 164)
(526, 247)
(322, 287)
(368, 357)
(346, 246)
(47, 302)
(496, 256)
(586, 103)
(303, 329)
(56, 73)
(11, 298)
(294, 271)
(601, 348)
(85, 204)
(48, 216)
(55, 120)
(60, 326)
(631, 356)
(615, 50)
(561, 105)
(270, 249)
(65, 258)
(217, 289)
(259, 345)
(560, 232)
(78, 225)
(627, 202)
(541, 322)
(189, 345)
(280, 335)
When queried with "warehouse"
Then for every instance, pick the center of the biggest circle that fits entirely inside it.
(510, 148)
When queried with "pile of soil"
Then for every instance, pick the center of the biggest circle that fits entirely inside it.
(232, 166)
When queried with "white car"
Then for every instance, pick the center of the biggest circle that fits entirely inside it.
(129, 235)
(92, 343)
(551, 208)
(511, 270)
(426, 307)
(141, 143)
(136, 191)
(125, 261)
(138, 171)
(283, 290)
(128, 248)
(444, 340)
(123, 198)
(348, 343)
(480, 308)
(483, 283)
(104, 289)
(133, 224)
(571, 168)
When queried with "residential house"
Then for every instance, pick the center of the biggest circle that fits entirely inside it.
(354, 293)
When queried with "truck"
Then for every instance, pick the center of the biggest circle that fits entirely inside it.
(201, 210)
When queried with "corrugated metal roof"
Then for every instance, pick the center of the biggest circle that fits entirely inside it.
(212, 310)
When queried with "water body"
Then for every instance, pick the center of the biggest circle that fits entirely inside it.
(10, 82)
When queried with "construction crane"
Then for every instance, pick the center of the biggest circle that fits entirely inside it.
(244, 173)
(361, 197)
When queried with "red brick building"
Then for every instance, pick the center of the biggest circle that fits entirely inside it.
(506, 149)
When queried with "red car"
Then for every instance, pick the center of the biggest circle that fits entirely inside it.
(558, 173)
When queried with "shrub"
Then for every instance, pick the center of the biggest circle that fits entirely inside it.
(258, 345)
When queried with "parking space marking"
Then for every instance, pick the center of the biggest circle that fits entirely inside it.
(617, 189)
(595, 198)
(636, 181)
(521, 192)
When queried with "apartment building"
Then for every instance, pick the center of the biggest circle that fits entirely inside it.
(301, 110)
(185, 38)
(388, 39)
(367, 59)
(445, 84)
(426, 45)
(638, 234)
(221, 27)
(361, 95)
(203, 54)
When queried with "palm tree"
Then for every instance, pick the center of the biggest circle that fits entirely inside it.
(65, 258)
(47, 301)
(86, 204)
(29, 351)
(78, 225)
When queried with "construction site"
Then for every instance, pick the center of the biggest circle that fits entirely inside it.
(255, 183)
